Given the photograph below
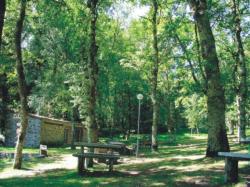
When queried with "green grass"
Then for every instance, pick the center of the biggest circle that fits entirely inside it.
(175, 164)
(36, 150)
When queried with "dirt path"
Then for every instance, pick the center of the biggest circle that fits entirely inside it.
(67, 161)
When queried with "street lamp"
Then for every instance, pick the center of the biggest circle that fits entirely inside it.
(139, 97)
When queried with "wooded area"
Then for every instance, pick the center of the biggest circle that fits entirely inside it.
(86, 61)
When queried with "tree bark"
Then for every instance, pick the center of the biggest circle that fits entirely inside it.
(241, 71)
(92, 75)
(2, 15)
(21, 87)
(155, 77)
(3, 76)
(4, 102)
(231, 170)
(217, 137)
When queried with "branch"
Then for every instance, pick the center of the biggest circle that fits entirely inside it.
(199, 56)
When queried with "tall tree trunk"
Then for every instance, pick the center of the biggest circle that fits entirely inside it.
(21, 86)
(2, 15)
(170, 120)
(155, 77)
(92, 75)
(3, 76)
(4, 97)
(130, 119)
(241, 71)
(217, 137)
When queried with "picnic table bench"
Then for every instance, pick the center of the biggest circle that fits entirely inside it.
(110, 156)
(245, 141)
(231, 164)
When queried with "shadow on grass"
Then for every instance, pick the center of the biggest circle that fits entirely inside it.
(29, 163)
(182, 165)
(160, 177)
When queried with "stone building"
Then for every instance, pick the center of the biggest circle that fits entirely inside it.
(44, 130)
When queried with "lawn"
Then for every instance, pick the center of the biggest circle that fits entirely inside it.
(179, 162)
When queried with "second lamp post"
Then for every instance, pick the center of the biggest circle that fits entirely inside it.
(139, 97)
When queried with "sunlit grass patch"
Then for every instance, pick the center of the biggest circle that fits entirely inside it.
(182, 164)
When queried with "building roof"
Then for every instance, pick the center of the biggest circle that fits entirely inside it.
(55, 121)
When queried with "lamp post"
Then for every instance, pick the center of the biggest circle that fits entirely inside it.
(139, 97)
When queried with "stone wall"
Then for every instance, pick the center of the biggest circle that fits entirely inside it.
(32, 138)
(11, 130)
(41, 130)
(52, 134)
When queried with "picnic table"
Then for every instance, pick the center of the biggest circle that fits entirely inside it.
(231, 164)
(110, 156)
(245, 141)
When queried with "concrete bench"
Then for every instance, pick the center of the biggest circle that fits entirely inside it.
(231, 164)
(82, 157)
(245, 141)
(43, 150)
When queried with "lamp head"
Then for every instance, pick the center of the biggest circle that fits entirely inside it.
(139, 96)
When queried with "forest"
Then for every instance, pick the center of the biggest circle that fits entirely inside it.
(86, 61)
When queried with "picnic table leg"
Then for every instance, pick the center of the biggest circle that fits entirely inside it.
(231, 170)
(86, 163)
(111, 162)
(80, 166)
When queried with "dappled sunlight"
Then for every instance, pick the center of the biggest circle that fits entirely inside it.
(181, 165)
(65, 162)
(189, 157)
(158, 184)
(133, 160)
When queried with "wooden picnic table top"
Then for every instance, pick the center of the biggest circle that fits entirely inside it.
(97, 155)
(236, 156)
(98, 145)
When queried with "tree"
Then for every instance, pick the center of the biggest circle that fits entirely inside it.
(155, 76)
(2, 14)
(3, 88)
(241, 71)
(217, 137)
(21, 86)
(92, 73)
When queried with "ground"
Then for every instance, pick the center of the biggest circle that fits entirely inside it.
(179, 162)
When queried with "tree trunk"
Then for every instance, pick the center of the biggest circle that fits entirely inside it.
(129, 116)
(92, 75)
(231, 125)
(73, 133)
(4, 102)
(231, 170)
(22, 88)
(241, 71)
(2, 14)
(3, 76)
(155, 78)
(217, 137)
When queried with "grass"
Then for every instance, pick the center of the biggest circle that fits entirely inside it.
(178, 163)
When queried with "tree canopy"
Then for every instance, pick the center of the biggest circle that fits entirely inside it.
(86, 61)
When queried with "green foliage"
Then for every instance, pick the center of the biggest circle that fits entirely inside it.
(195, 111)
